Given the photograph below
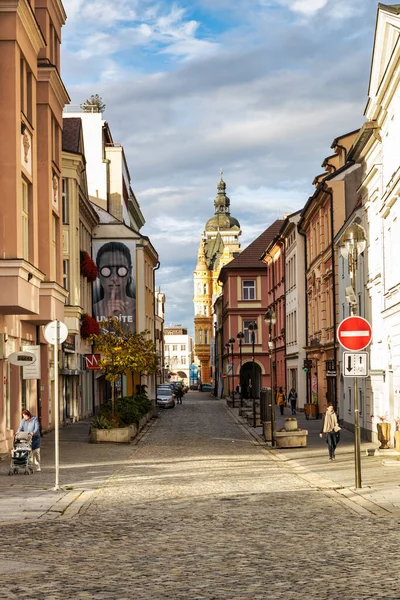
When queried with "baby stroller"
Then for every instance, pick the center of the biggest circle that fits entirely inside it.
(20, 454)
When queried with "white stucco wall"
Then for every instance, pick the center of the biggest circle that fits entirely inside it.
(96, 169)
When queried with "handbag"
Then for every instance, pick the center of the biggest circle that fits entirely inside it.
(336, 429)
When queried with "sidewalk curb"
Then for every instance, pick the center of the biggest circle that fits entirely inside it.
(349, 497)
(73, 503)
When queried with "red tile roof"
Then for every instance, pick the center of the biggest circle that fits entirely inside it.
(250, 257)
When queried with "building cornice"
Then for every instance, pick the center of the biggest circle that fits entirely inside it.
(48, 73)
(59, 9)
(28, 20)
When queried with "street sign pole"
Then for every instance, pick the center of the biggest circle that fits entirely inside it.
(55, 333)
(56, 410)
(355, 333)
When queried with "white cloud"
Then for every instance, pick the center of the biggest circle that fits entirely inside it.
(263, 99)
(103, 29)
(307, 7)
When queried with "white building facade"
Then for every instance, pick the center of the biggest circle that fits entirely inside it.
(378, 141)
(295, 310)
(178, 353)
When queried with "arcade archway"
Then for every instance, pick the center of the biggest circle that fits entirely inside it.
(250, 383)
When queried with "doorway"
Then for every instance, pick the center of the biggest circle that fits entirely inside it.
(250, 383)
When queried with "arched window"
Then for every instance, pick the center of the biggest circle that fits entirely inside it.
(206, 337)
(205, 288)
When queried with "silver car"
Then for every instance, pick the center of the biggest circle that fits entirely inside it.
(165, 397)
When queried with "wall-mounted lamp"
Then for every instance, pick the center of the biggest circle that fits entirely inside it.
(30, 276)
(23, 128)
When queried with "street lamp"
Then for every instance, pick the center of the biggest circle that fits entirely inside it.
(215, 361)
(270, 319)
(352, 244)
(227, 369)
(240, 337)
(253, 328)
(231, 342)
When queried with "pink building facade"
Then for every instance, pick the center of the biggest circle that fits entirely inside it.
(244, 303)
(274, 259)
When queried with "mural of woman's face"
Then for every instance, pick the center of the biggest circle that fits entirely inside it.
(114, 273)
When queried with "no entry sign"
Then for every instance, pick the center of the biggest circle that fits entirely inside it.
(354, 333)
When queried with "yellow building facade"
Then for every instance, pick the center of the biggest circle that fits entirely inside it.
(219, 243)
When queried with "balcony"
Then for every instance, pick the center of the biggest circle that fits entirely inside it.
(20, 287)
(51, 303)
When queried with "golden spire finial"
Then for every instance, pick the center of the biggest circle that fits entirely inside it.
(221, 172)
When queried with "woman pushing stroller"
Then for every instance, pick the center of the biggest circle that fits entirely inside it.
(30, 424)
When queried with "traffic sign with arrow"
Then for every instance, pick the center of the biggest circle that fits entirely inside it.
(355, 364)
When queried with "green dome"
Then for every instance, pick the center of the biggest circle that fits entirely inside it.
(223, 222)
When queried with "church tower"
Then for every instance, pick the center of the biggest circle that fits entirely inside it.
(219, 243)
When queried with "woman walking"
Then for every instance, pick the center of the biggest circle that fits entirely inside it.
(330, 428)
(30, 424)
(280, 400)
(293, 400)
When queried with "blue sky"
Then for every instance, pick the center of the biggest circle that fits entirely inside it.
(259, 88)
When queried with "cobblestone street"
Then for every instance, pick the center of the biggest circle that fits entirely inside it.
(199, 510)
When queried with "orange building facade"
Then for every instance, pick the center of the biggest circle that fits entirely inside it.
(321, 218)
(32, 97)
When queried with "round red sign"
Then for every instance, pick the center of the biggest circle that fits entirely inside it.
(354, 333)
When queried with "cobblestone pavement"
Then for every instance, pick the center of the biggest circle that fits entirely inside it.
(201, 511)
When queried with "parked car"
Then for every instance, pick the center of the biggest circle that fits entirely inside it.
(207, 387)
(165, 397)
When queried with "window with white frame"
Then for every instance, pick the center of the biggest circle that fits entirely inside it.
(65, 201)
(66, 274)
(25, 220)
(247, 332)
(183, 347)
(248, 289)
(174, 347)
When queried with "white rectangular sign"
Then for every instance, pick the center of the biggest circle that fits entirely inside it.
(32, 371)
(229, 369)
(355, 364)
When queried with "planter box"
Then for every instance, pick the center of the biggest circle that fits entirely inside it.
(291, 439)
(121, 435)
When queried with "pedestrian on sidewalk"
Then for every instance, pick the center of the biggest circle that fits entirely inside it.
(293, 400)
(280, 400)
(30, 424)
(330, 427)
(179, 394)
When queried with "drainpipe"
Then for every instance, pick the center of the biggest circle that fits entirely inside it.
(273, 305)
(326, 189)
(302, 233)
(38, 396)
(154, 316)
(282, 242)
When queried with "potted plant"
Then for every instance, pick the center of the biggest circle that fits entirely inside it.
(383, 427)
(291, 424)
(89, 326)
(397, 433)
(88, 267)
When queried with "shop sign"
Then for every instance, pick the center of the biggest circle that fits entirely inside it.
(69, 343)
(92, 361)
(32, 371)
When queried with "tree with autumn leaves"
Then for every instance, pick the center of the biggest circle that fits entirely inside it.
(123, 352)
